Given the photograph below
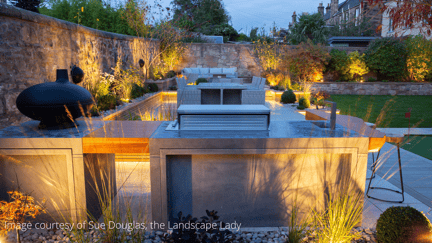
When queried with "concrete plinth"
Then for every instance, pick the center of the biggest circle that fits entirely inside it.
(51, 165)
(253, 178)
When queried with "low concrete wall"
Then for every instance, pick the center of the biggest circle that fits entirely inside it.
(374, 88)
(150, 105)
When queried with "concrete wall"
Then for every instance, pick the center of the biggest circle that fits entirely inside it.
(252, 181)
(374, 88)
(33, 46)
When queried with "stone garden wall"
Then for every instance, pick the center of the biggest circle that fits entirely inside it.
(33, 46)
(374, 88)
(231, 55)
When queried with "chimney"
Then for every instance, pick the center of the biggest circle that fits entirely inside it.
(321, 9)
(334, 6)
(294, 18)
(328, 8)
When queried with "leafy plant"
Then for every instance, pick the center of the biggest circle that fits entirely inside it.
(31, 5)
(304, 102)
(106, 102)
(407, 13)
(307, 61)
(419, 61)
(268, 53)
(191, 235)
(15, 213)
(403, 225)
(338, 64)
(357, 66)
(137, 91)
(296, 87)
(387, 57)
(288, 97)
(199, 14)
(308, 27)
(153, 87)
(371, 79)
(170, 74)
(319, 97)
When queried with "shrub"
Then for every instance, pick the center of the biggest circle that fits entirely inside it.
(304, 102)
(137, 91)
(307, 61)
(288, 97)
(387, 57)
(357, 66)
(106, 102)
(153, 87)
(371, 79)
(347, 67)
(301, 107)
(402, 225)
(170, 74)
(297, 87)
(195, 235)
(419, 61)
(201, 80)
(338, 64)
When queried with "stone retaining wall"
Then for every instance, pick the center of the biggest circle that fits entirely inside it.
(232, 55)
(374, 88)
(33, 46)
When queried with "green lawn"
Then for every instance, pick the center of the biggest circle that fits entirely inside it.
(421, 145)
(386, 110)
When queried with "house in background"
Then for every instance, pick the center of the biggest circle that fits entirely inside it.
(351, 11)
(388, 31)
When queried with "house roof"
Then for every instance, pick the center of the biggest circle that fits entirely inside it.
(351, 39)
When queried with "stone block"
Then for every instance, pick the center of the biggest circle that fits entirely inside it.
(10, 101)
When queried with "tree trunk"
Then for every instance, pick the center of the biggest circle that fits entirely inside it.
(18, 235)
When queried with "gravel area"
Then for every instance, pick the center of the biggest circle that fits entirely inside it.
(60, 236)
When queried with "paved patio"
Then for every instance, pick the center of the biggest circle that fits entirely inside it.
(133, 178)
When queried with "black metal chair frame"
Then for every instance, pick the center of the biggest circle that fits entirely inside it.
(374, 164)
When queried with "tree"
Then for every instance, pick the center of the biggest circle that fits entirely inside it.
(15, 213)
(307, 61)
(199, 13)
(407, 13)
(308, 27)
(31, 5)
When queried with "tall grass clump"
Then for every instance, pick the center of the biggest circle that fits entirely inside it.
(343, 212)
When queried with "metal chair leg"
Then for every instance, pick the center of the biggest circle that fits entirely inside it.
(382, 188)
(374, 163)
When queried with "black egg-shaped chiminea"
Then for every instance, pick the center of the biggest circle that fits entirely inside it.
(57, 104)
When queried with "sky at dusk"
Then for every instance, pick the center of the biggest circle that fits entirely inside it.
(246, 14)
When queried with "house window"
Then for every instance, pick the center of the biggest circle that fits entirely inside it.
(390, 24)
(357, 16)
